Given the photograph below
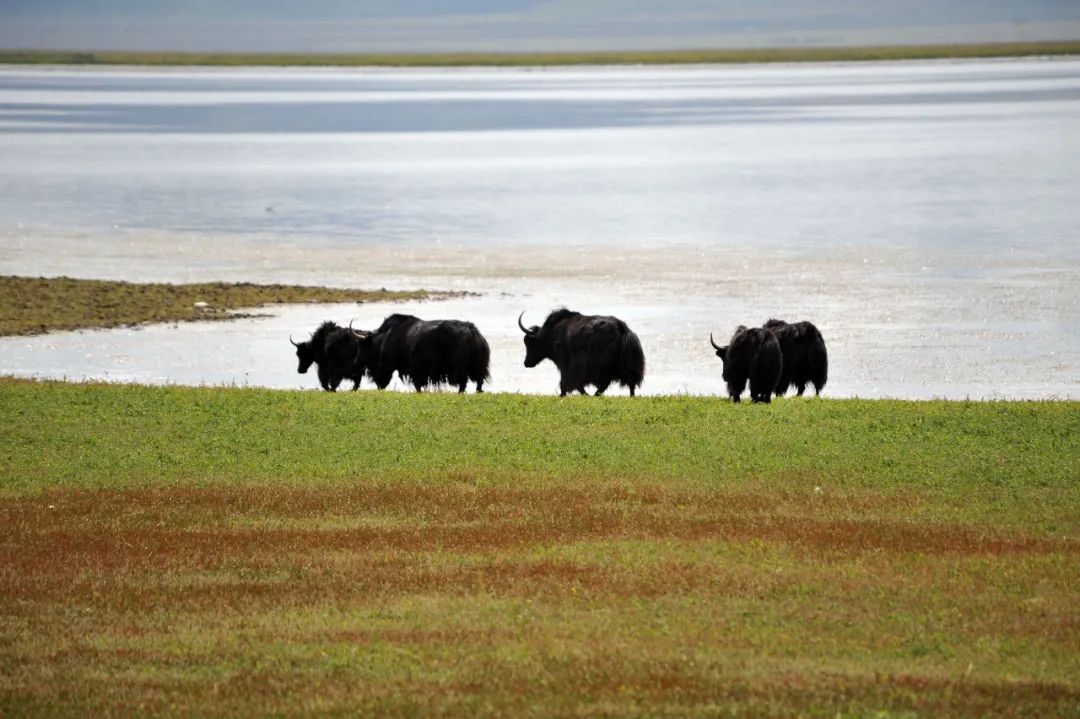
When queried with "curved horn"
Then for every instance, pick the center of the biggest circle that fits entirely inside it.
(521, 325)
(712, 342)
(294, 344)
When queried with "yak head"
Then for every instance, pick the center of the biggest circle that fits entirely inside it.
(721, 352)
(535, 352)
(305, 352)
(365, 346)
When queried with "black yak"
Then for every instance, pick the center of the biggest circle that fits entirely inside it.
(753, 354)
(426, 352)
(805, 359)
(336, 351)
(587, 349)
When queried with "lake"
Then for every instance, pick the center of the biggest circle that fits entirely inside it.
(922, 214)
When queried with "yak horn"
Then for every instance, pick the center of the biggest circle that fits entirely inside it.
(521, 325)
(712, 342)
(294, 344)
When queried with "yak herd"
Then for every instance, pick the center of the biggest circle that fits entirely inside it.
(588, 350)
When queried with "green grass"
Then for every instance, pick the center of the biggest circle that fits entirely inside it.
(659, 57)
(33, 305)
(183, 551)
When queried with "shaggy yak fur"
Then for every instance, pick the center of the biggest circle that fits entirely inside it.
(805, 359)
(426, 352)
(754, 355)
(587, 349)
(336, 351)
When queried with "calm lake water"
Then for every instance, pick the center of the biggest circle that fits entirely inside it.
(923, 214)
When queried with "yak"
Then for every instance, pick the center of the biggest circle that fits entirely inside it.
(587, 349)
(336, 351)
(754, 355)
(805, 359)
(426, 352)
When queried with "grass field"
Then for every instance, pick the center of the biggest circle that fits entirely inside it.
(242, 552)
(660, 57)
(33, 305)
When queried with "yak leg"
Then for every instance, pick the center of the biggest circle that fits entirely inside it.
(570, 379)
(461, 387)
(574, 379)
(479, 386)
(601, 388)
(801, 387)
(759, 394)
(631, 390)
(735, 389)
(565, 385)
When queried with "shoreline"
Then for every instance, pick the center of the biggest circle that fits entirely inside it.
(545, 59)
(398, 388)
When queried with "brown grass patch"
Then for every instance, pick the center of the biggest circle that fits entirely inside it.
(450, 599)
(198, 525)
(181, 546)
(603, 686)
(930, 695)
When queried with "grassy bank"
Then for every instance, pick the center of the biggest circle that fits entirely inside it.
(661, 57)
(245, 552)
(33, 305)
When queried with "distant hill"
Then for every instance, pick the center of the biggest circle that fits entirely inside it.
(521, 25)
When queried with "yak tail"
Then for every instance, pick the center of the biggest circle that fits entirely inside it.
(479, 357)
(482, 358)
(818, 359)
(632, 360)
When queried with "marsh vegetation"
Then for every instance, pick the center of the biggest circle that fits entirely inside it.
(465, 59)
(33, 305)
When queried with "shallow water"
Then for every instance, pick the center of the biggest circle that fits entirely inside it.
(922, 214)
